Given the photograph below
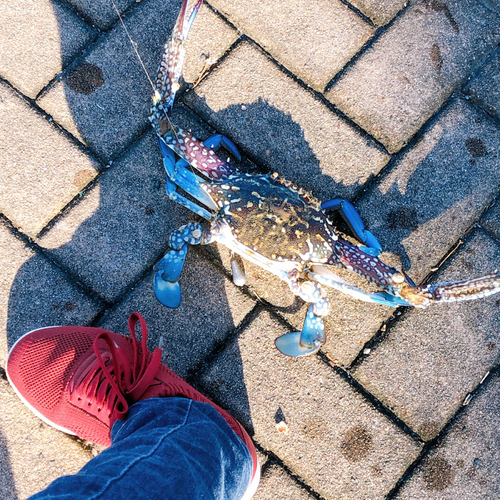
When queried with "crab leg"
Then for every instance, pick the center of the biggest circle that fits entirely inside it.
(324, 276)
(451, 291)
(170, 68)
(396, 283)
(312, 336)
(353, 220)
(168, 270)
(195, 153)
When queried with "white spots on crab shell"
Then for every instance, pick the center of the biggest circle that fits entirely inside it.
(398, 278)
(257, 195)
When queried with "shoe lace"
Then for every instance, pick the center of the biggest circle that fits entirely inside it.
(110, 379)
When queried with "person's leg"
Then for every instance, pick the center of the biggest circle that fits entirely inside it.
(87, 381)
(167, 448)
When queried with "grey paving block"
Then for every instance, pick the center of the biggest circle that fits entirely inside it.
(276, 483)
(105, 99)
(211, 308)
(405, 77)
(101, 13)
(432, 358)
(437, 190)
(42, 170)
(349, 324)
(35, 293)
(491, 220)
(379, 11)
(282, 126)
(40, 37)
(337, 443)
(484, 88)
(494, 5)
(313, 39)
(120, 228)
(465, 464)
(32, 454)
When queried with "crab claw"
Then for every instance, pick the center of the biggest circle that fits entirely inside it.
(168, 270)
(306, 342)
(170, 266)
(167, 292)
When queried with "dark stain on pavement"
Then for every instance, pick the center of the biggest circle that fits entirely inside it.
(476, 147)
(357, 443)
(442, 7)
(403, 217)
(85, 78)
(436, 57)
(438, 474)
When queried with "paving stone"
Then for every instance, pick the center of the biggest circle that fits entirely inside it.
(494, 5)
(105, 99)
(32, 454)
(432, 358)
(101, 13)
(276, 483)
(485, 86)
(405, 77)
(35, 293)
(491, 220)
(120, 228)
(379, 11)
(42, 171)
(42, 37)
(349, 324)
(282, 126)
(438, 189)
(337, 443)
(313, 39)
(465, 464)
(211, 308)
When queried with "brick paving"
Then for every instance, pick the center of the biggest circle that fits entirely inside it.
(391, 104)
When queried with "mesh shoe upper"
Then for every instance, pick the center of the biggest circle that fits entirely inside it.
(82, 379)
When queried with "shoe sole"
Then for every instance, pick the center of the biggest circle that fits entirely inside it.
(34, 410)
(254, 484)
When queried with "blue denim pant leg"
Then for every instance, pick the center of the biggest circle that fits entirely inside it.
(167, 448)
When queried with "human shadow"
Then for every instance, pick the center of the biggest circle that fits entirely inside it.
(7, 483)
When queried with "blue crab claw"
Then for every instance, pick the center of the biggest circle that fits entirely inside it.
(172, 263)
(373, 246)
(353, 220)
(216, 140)
(306, 342)
(167, 292)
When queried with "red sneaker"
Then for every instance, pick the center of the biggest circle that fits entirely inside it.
(80, 380)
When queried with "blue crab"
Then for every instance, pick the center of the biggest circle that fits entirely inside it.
(270, 222)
